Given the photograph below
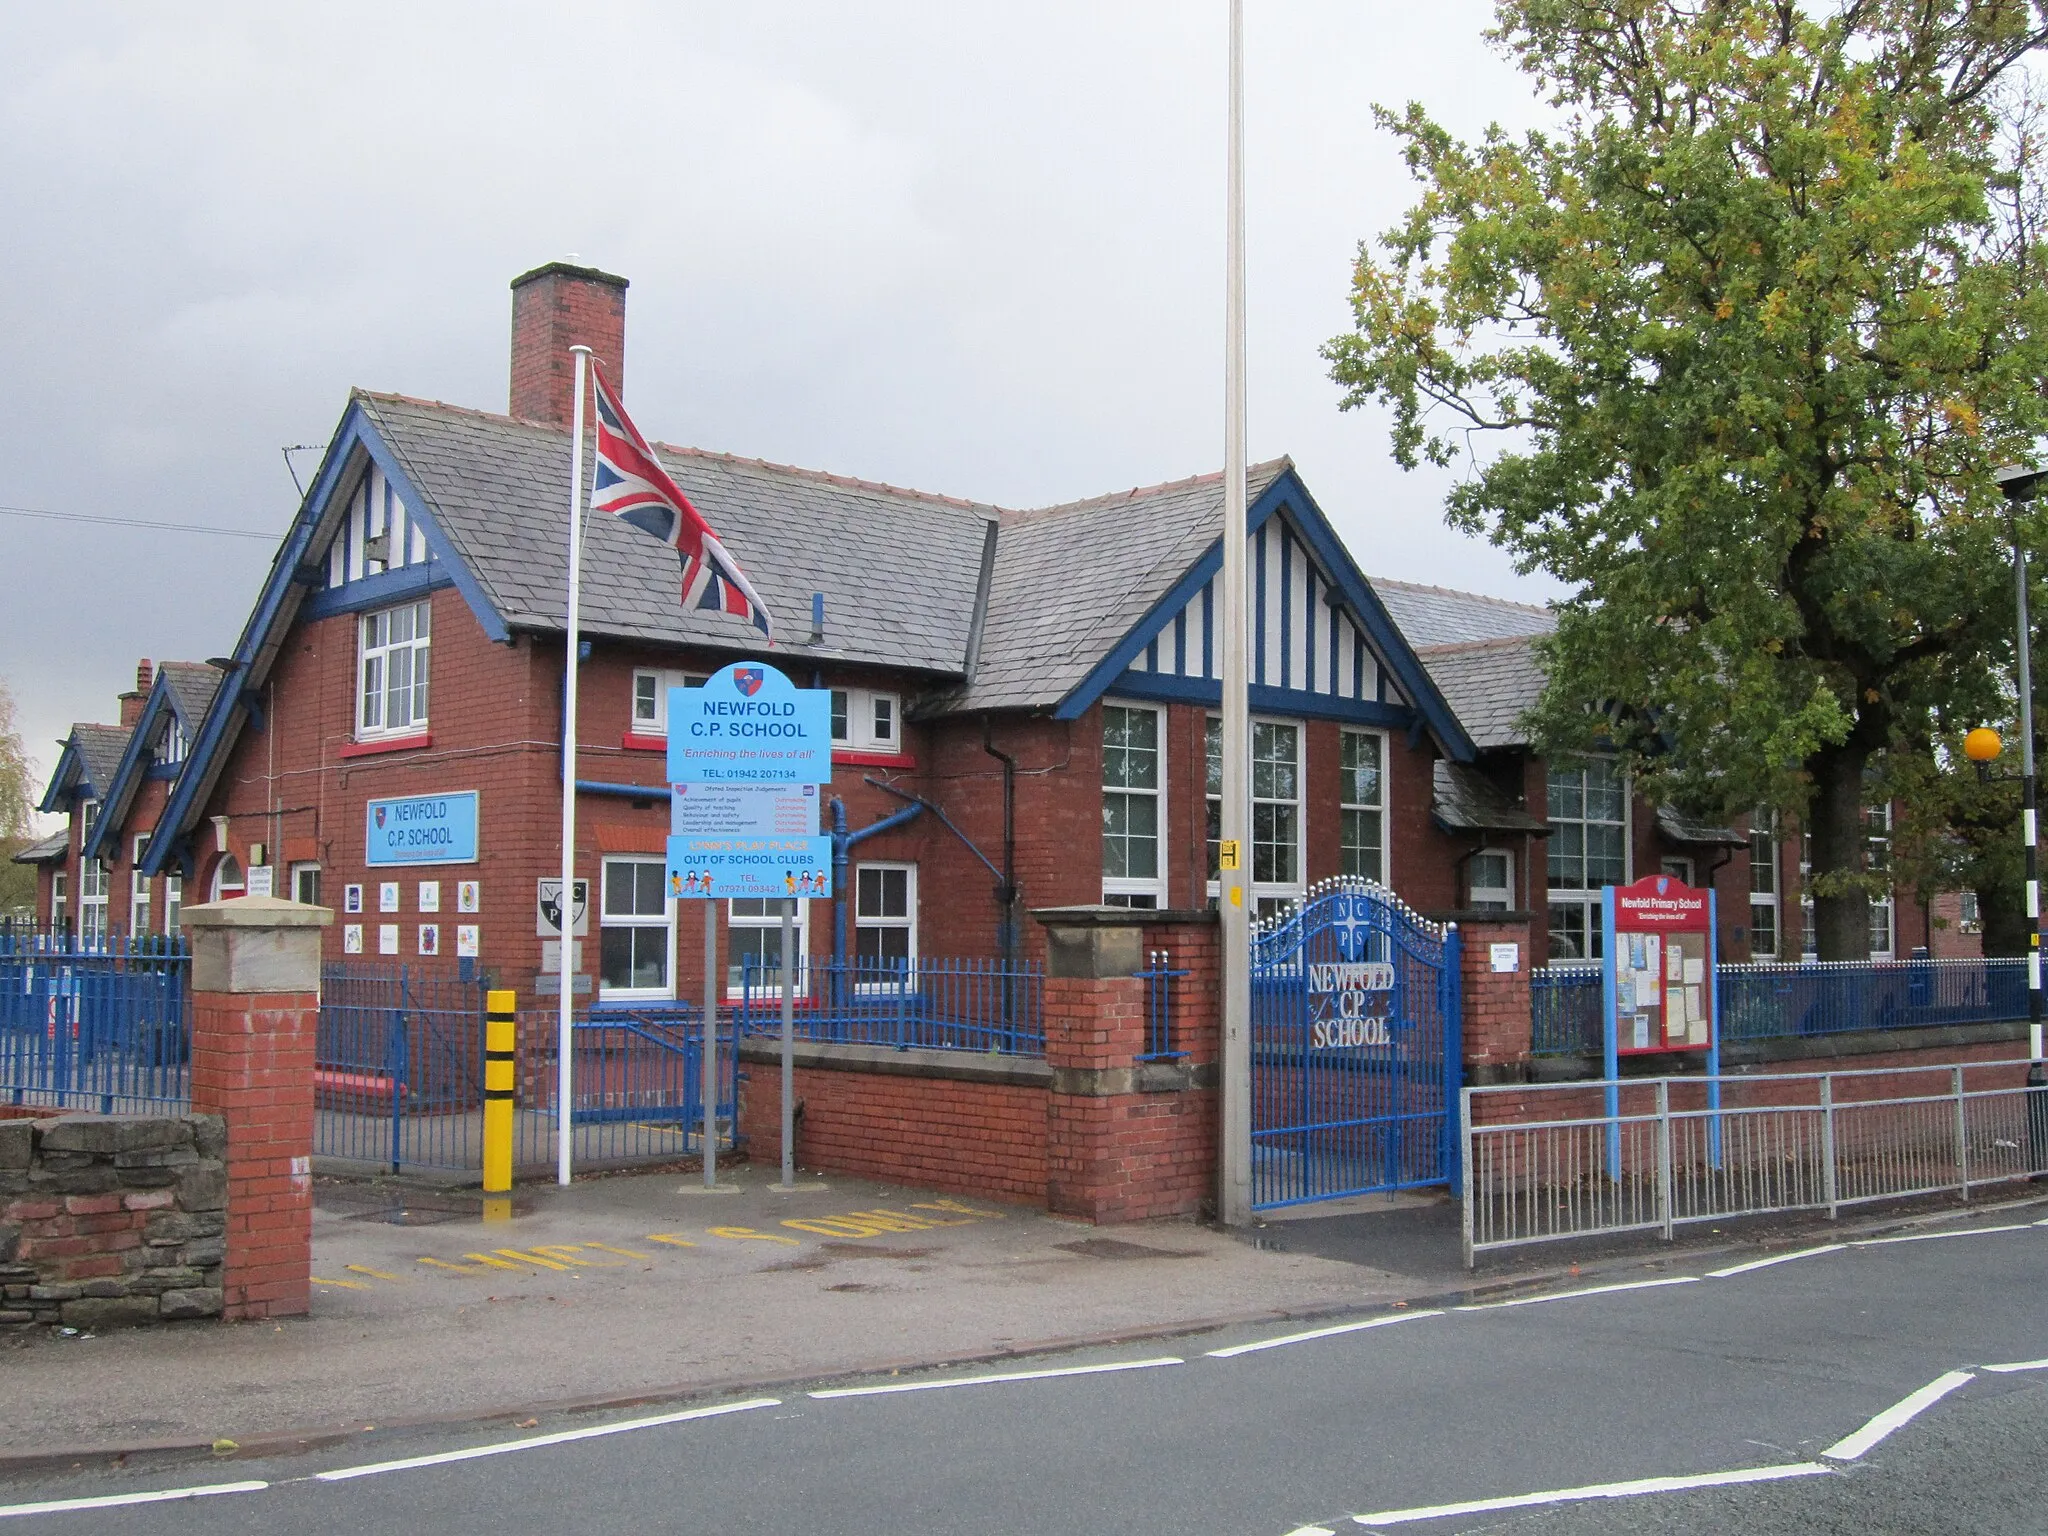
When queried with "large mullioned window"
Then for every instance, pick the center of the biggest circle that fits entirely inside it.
(391, 670)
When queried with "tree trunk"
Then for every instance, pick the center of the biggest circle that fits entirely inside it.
(1841, 921)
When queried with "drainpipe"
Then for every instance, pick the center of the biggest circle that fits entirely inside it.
(1006, 890)
(842, 845)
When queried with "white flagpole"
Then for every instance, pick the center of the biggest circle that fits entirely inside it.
(565, 1035)
(1234, 1194)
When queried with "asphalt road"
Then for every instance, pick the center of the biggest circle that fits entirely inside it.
(1687, 1376)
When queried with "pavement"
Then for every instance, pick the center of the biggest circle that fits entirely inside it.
(646, 1288)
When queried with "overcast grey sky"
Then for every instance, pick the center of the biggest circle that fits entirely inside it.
(973, 248)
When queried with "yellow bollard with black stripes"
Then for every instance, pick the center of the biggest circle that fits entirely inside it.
(500, 1077)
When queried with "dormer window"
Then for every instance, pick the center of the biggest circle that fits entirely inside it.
(174, 744)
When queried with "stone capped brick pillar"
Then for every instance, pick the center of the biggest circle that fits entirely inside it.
(255, 1007)
(1128, 1139)
(1497, 1019)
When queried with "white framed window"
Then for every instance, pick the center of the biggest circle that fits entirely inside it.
(227, 878)
(885, 918)
(1763, 884)
(92, 898)
(1133, 806)
(1969, 917)
(174, 744)
(88, 818)
(1877, 858)
(636, 934)
(305, 885)
(650, 697)
(391, 670)
(1677, 866)
(1276, 810)
(1588, 814)
(864, 720)
(60, 898)
(174, 900)
(1363, 780)
(138, 890)
(1490, 881)
(754, 942)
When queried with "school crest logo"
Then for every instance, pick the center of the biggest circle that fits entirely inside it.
(748, 680)
(380, 818)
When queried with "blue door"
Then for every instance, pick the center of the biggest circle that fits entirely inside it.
(1356, 1061)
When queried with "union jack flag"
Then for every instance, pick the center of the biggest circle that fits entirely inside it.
(631, 484)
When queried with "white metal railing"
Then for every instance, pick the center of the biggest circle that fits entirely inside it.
(1543, 1162)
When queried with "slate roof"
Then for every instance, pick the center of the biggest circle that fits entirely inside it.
(1441, 616)
(1466, 800)
(192, 685)
(497, 489)
(99, 750)
(50, 849)
(1681, 827)
(1071, 580)
(1489, 684)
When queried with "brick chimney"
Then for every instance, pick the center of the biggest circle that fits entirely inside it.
(554, 308)
(131, 703)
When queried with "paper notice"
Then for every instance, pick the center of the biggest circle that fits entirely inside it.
(1698, 1033)
(1641, 1036)
(1625, 992)
(1647, 988)
(1693, 1011)
(1674, 1013)
(1674, 963)
(1651, 945)
(1695, 971)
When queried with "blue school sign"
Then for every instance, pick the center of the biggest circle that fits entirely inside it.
(745, 752)
(421, 829)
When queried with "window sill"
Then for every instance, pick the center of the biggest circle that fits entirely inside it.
(860, 759)
(377, 746)
(634, 741)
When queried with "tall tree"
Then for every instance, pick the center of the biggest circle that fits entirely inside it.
(17, 806)
(1732, 351)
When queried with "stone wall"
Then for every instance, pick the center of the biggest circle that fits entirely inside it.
(110, 1221)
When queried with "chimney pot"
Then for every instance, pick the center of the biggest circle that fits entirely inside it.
(131, 703)
(556, 307)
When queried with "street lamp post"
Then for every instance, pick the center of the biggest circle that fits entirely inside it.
(2021, 485)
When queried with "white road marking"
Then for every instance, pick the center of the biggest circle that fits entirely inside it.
(118, 1500)
(1903, 1412)
(1781, 1258)
(1928, 1237)
(1312, 1530)
(1598, 1491)
(442, 1458)
(979, 1381)
(1320, 1333)
(2017, 1365)
(1595, 1290)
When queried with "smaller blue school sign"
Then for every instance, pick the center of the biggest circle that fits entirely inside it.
(421, 829)
(745, 752)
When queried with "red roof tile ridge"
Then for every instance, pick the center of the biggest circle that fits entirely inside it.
(1215, 476)
(827, 477)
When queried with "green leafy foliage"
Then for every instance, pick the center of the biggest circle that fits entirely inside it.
(1733, 351)
(17, 806)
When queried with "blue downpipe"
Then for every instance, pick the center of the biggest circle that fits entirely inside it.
(842, 847)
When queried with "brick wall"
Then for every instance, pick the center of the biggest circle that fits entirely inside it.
(1495, 1003)
(106, 1222)
(554, 308)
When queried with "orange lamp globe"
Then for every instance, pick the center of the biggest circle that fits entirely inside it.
(1982, 745)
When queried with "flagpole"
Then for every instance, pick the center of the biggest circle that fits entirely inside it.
(565, 1034)
(1234, 874)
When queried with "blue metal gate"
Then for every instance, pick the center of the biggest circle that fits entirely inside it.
(1356, 1062)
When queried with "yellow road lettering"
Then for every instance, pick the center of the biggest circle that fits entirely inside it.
(347, 1285)
(608, 1248)
(469, 1269)
(533, 1259)
(834, 1226)
(364, 1269)
(571, 1254)
(740, 1234)
(956, 1207)
(896, 1221)
(670, 1238)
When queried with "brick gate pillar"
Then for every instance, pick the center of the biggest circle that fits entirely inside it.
(1497, 1017)
(1127, 1137)
(255, 1006)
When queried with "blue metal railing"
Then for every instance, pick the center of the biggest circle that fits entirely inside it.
(94, 1023)
(1159, 977)
(1771, 1001)
(1564, 1009)
(929, 1004)
(398, 1066)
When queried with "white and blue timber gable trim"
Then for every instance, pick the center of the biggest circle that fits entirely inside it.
(156, 749)
(1321, 646)
(326, 565)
